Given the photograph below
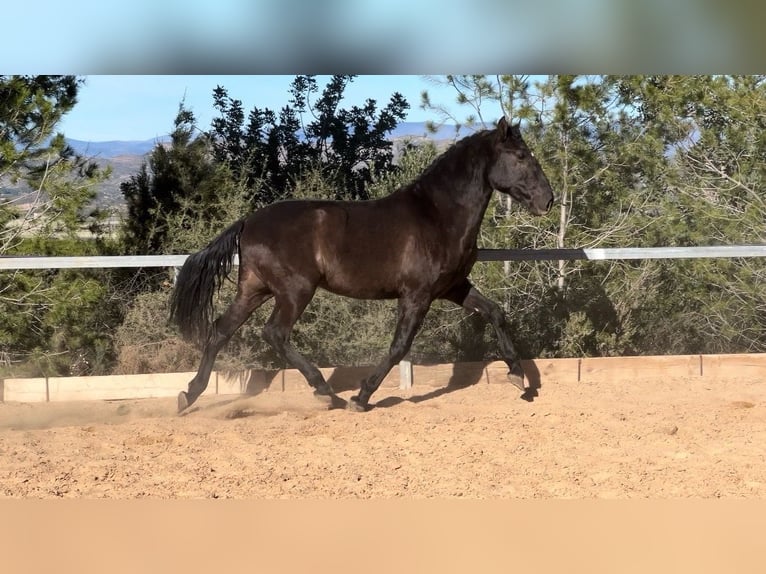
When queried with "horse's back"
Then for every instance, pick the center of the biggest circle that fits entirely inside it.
(362, 249)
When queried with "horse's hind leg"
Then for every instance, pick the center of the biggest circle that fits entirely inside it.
(468, 296)
(250, 295)
(288, 307)
(412, 311)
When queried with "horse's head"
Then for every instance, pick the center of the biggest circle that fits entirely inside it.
(515, 170)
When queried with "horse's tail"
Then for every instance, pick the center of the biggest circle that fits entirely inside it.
(191, 304)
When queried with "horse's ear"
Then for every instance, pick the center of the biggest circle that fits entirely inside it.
(508, 131)
(515, 130)
(503, 129)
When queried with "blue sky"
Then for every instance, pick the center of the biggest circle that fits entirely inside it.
(395, 36)
(144, 107)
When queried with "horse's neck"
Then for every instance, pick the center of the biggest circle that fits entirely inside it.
(459, 197)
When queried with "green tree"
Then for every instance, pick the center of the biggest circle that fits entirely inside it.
(181, 197)
(46, 317)
(713, 137)
(272, 151)
(48, 186)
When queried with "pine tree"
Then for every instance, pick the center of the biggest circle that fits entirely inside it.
(52, 186)
(50, 320)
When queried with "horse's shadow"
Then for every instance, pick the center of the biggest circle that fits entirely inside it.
(463, 376)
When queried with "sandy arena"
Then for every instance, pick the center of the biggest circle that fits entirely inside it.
(646, 439)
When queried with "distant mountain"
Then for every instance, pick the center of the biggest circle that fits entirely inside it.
(123, 168)
(110, 149)
(418, 129)
(115, 148)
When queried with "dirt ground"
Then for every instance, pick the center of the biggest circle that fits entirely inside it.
(647, 439)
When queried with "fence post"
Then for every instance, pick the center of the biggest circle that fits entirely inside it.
(405, 374)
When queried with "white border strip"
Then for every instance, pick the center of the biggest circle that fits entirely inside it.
(594, 254)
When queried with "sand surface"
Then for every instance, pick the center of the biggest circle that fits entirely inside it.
(644, 439)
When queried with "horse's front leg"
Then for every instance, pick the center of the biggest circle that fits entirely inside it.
(466, 295)
(412, 311)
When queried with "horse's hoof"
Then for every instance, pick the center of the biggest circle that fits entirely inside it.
(516, 378)
(355, 405)
(323, 398)
(183, 402)
(332, 401)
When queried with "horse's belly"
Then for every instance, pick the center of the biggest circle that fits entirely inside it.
(359, 286)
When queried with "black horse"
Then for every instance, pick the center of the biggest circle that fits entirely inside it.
(415, 245)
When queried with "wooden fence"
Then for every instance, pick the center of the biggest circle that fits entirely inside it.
(574, 370)
(540, 372)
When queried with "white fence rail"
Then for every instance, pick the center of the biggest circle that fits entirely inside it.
(96, 261)
(602, 254)
(595, 254)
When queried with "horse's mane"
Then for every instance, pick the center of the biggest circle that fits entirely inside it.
(459, 161)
